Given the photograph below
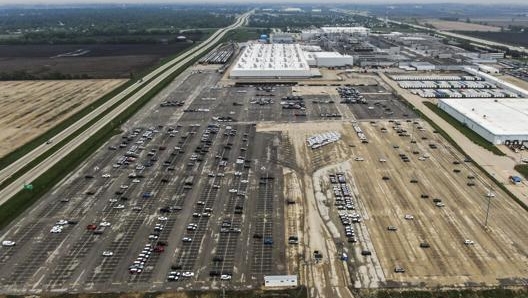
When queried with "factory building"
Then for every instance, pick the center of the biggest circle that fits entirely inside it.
(272, 61)
(282, 38)
(500, 121)
(360, 31)
(328, 59)
(313, 33)
(422, 66)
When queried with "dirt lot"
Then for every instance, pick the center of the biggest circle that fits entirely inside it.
(498, 255)
(100, 60)
(460, 26)
(29, 108)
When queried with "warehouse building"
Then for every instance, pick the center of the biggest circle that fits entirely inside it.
(328, 59)
(272, 61)
(500, 121)
(360, 31)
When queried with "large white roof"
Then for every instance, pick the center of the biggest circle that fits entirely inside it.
(272, 56)
(362, 30)
(500, 116)
(271, 60)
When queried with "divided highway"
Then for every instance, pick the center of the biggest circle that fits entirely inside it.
(140, 89)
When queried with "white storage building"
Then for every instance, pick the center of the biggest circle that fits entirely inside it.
(271, 61)
(422, 66)
(277, 281)
(361, 31)
(328, 59)
(500, 121)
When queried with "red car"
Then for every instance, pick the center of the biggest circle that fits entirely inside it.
(91, 227)
(159, 249)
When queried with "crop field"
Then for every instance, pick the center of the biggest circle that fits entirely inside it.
(97, 60)
(29, 108)
(460, 26)
(512, 38)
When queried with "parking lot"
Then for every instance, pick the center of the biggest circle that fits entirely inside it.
(414, 209)
(178, 200)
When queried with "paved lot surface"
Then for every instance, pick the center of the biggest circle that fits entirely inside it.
(221, 178)
(206, 198)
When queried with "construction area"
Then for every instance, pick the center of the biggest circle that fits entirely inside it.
(248, 179)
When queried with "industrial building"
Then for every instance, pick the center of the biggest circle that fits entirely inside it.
(355, 31)
(328, 59)
(272, 61)
(500, 121)
(361, 31)
(281, 38)
(278, 281)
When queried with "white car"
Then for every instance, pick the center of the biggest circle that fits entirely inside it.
(56, 229)
(238, 173)
(136, 181)
(112, 200)
(120, 206)
(225, 277)
(107, 253)
(490, 194)
(233, 190)
(440, 204)
(105, 224)
(162, 218)
(408, 217)
(187, 239)
(382, 160)
(124, 186)
(359, 159)
(106, 175)
(188, 274)
(469, 242)
(244, 181)
(8, 243)
(62, 222)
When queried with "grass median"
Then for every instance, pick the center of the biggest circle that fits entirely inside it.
(470, 134)
(42, 184)
(523, 170)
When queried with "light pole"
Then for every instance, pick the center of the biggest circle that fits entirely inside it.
(489, 195)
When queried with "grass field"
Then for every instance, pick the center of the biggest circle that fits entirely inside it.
(523, 169)
(459, 26)
(29, 108)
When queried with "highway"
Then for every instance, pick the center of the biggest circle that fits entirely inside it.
(140, 89)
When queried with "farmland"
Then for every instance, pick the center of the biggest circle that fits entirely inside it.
(29, 108)
(460, 26)
(512, 38)
(100, 61)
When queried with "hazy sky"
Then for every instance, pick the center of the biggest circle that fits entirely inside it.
(15, 2)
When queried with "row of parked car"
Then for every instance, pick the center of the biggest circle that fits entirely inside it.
(345, 204)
